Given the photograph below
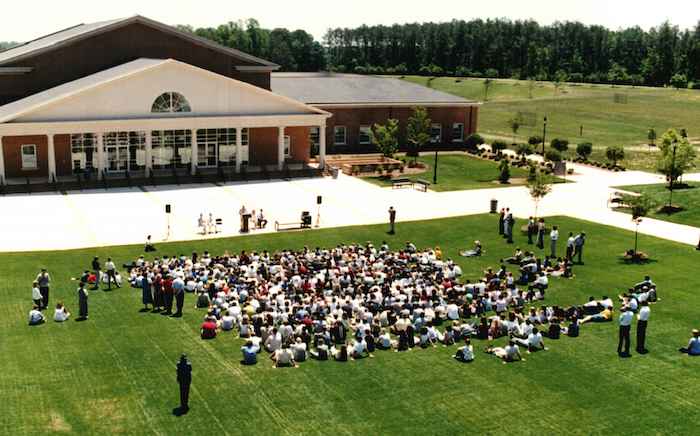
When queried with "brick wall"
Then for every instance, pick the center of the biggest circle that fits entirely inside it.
(62, 151)
(263, 145)
(11, 147)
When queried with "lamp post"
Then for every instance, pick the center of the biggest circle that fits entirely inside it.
(544, 134)
(673, 175)
(435, 169)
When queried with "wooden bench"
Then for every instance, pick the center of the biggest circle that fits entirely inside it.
(288, 226)
(421, 185)
(400, 183)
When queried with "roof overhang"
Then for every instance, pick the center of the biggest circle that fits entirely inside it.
(256, 68)
(15, 71)
(393, 104)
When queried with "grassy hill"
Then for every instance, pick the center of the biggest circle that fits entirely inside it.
(619, 115)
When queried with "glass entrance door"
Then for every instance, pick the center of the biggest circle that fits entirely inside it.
(206, 154)
(117, 158)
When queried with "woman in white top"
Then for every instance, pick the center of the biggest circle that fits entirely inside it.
(465, 353)
(61, 313)
(36, 294)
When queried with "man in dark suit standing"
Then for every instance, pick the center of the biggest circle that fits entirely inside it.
(501, 222)
(510, 222)
(97, 269)
(392, 220)
(531, 230)
(184, 379)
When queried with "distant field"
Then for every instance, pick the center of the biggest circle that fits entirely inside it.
(594, 107)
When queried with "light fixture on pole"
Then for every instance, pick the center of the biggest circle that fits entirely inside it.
(544, 134)
(435, 168)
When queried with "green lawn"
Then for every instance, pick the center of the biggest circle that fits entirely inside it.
(688, 199)
(457, 172)
(604, 122)
(114, 374)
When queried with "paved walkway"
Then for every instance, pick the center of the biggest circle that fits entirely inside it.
(96, 218)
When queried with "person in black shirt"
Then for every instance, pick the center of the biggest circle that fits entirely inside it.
(184, 379)
(392, 220)
(96, 268)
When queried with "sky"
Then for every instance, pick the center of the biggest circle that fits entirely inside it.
(21, 22)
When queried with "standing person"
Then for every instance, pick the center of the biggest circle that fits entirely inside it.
(642, 320)
(392, 219)
(184, 379)
(97, 269)
(626, 318)
(540, 233)
(510, 223)
(242, 212)
(570, 246)
(36, 295)
(44, 281)
(82, 302)
(579, 242)
(168, 295)
(146, 292)
(179, 291)
(501, 221)
(111, 273)
(553, 238)
(157, 293)
(531, 229)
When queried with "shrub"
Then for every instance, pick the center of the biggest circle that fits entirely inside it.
(615, 153)
(553, 155)
(584, 150)
(498, 145)
(473, 141)
(524, 149)
(531, 172)
(695, 85)
(534, 140)
(504, 174)
(561, 145)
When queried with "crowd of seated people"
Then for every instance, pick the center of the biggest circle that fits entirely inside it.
(347, 302)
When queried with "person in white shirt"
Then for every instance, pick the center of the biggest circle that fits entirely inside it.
(274, 341)
(642, 320)
(384, 341)
(201, 224)
(359, 349)
(35, 316)
(626, 317)
(533, 342)
(283, 357)
(299, 350)
(466, 352)
(227, 322)
(36, 294)
(111, 273)
(553, 238)
(60, 314)
(511, 352)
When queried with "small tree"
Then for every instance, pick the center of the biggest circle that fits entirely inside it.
(385, 137)
(417, 131)
(534, 140)
(553, 155)
(651, 136)
(504, 171)
(560, 145)
(524, 149)
(674, 168)
(539, 186)
(514, 124)
(640, 207)
(584, 150)
(615, 153)
(679, 81)
(531, 172)
(473, 141)
(487, 85)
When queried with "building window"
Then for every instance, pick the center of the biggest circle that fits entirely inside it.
(170, 102)
(83, 152)
(365, 137)
(435, 133)
(457, 132)
(339, 135)
(29, 160)
(314, 136)
(287, 146)
(171, 148)
(124, 151)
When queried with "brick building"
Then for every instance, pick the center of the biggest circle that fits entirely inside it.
(134, 96)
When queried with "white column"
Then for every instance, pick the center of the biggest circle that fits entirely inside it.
(2, 163)
(51, 157)
(322, 146)
(280, 148)
(195, 153)
(239, 150)
(148, 152)
(100, 154)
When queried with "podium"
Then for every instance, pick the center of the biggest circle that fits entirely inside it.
(244, 223)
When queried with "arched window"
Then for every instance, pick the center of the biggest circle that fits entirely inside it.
(171, 102)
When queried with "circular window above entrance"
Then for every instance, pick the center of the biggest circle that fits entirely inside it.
(171, 102)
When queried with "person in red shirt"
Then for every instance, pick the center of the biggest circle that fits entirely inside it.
(168, 295)
(208, 329)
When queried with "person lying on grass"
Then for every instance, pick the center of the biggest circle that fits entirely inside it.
(509, 353)
(605, 315)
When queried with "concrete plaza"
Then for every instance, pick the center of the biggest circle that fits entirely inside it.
(55, 221)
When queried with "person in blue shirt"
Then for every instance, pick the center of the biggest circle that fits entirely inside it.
(693, 348)
(250, 353)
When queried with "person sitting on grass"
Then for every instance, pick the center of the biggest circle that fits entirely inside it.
(208, 328)
(509, 353)
(533, 342)
(477, 251)
(572, 330)
(693, 348)
(321, 352)
(35, 316)
(465, 353)
(340, 354)
(359, 349)
(299, 350)
(515, 258)
(555, 329)
(284, 357)
(385, 342)
(250, 353)
(61, 314)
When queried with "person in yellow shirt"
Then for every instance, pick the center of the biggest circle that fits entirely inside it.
(605, 315)
(438, 253)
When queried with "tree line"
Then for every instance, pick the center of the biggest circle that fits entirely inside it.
(501, 48)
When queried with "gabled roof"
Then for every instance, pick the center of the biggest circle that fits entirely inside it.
(82, 31)
(331, 89)
(42, 99)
